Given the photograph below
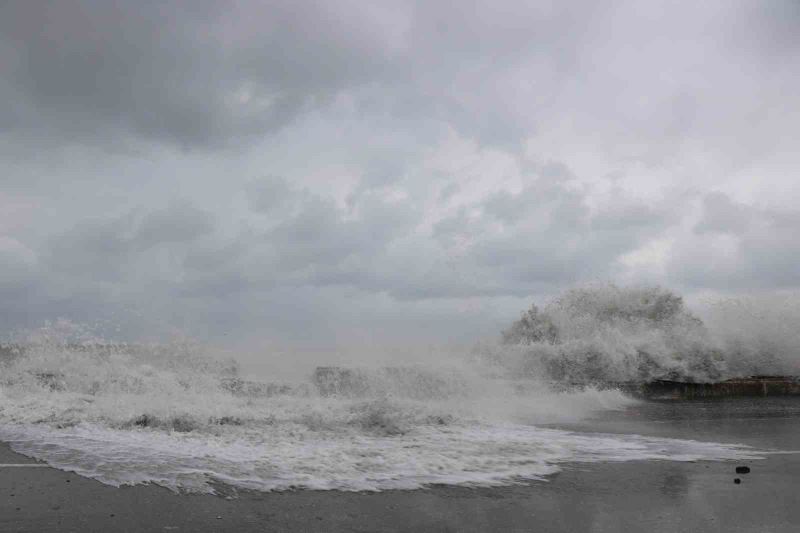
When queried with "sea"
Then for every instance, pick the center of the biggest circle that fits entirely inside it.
(503, 412)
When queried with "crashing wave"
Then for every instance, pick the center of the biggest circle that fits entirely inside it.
(174, 415)
(610, 334)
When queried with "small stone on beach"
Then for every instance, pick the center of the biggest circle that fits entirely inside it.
(742, 469)
(737, 480)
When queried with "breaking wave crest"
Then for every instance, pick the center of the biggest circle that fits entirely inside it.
(609, 334)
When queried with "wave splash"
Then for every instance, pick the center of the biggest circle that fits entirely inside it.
(173, 415)
(610, 334)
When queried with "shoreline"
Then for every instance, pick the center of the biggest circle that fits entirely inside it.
(660, 496)
(600, 497)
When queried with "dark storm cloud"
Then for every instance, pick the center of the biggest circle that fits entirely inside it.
(425, 156)
(192, 74)
(207, 73)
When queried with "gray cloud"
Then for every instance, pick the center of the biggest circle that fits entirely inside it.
(173, 225)
(739, 246)
(105, 248)
(216, 73)
(193, 75)
(268, 194)
(285, 166)
(19, 264)
(179, 256)
(723, 215)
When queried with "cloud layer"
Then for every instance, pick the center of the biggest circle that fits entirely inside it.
(409, 169)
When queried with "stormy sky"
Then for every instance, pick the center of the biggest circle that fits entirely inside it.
(308, 173)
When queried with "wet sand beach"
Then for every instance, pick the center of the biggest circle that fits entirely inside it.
(661, 496)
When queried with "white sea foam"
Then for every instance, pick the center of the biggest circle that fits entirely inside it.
(275, 458)
(168, 415)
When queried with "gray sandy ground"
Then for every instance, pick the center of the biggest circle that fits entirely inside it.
(657, 496)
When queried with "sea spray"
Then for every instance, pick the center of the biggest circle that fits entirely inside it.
(757, 334)
(607, 334)
(171, 414)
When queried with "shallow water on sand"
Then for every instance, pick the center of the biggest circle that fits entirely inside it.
(658, 496)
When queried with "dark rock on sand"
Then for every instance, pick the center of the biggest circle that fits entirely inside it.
(742, 469)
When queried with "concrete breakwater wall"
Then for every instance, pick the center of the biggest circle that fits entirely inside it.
(754, 386)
